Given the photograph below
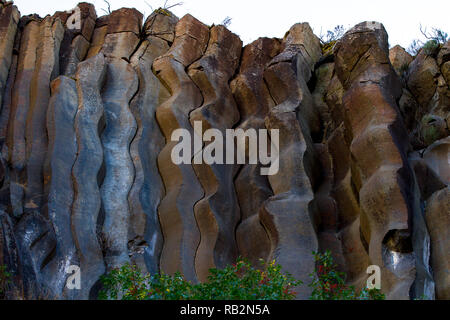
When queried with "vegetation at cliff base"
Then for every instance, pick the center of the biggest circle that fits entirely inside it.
(240, 281)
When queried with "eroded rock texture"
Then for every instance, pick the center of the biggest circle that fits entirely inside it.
(89, 107)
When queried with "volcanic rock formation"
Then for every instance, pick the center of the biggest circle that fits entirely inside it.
(89, 106)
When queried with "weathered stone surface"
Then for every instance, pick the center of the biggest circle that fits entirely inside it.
(35, 243)
(148, 188)
(19, 109)
(286, 215)
(121, 85)
(86, 207)
(176, 213)
(400, 59)
(254, 102)
(422, 77)
(217, 213)
(161, 26)
(437, 214)
(369, 101)
(9, 18)
(62, 152)
(437, 156)
(45, 70)
(444, 54)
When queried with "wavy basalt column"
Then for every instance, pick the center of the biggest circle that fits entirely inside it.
(148, 189)
(217, 213)
(86, 206)
(254, 102)
(120, 41)
(9, 19)
(286, 215)
(79, 27)
(356, 259)
(183, 191)
(337, 138)
(20, 104)
(121, 85)
(386, 182)
(46, 69)
(62, 152)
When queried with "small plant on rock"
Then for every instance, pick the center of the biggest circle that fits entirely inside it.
(329, 39)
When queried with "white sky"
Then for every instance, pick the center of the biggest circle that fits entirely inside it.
(272, 18)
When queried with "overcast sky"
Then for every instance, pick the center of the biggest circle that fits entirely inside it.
(272, 18)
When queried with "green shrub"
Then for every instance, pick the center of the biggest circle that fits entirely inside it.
(240, 281)
(329, 284)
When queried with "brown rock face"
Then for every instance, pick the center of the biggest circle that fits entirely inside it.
(438, 221)
(373, 120)
(217, 213)
(286, 215)
(400, 59)
(94, 110)
(183, 190)
(254, 102)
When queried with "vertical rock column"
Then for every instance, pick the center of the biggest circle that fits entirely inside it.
(145, 237)
(217, 214)
(254, 102)
(183, 191)
(437, 213)
(86, 207)
(121, 41)
(9, 19)
(46, 69)
(286, 215)
(379, 145)
(20, 103)
(62, 152)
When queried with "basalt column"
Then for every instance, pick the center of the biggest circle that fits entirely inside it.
(379, 144)
(144, 236)
(183, 191)
(121, 84)
(90, 77)
(217, 214)
(254, 102)
(286, 215)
